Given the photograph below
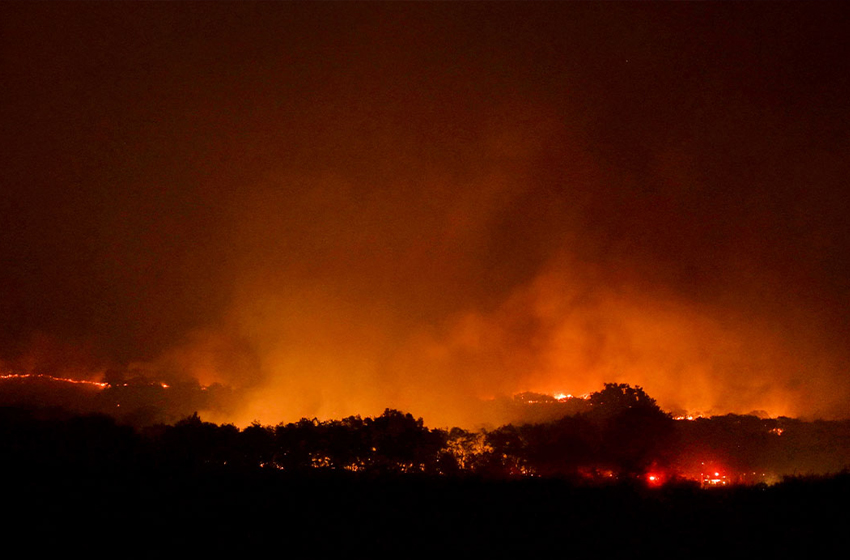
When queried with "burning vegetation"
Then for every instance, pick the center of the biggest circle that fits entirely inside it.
(618, 433)
(130, 397)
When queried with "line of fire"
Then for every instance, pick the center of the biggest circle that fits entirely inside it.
(618, 433)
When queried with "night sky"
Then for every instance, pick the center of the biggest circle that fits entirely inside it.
(336, 208)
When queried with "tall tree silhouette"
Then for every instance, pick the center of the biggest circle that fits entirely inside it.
(635, 432)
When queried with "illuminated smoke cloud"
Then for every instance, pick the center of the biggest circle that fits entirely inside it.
(334, 209)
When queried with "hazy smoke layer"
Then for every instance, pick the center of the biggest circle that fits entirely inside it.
(340, 208)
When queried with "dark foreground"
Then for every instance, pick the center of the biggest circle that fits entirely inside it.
(219, 513)
(86, 486)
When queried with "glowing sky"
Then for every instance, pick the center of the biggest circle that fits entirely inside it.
(342, 207)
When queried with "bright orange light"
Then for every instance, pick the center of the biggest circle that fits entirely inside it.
(715, 479)
(97, 384)
(655, 479)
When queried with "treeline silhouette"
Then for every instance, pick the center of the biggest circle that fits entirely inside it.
(621, 433)
(391, 485)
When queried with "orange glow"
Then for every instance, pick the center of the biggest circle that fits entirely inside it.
(358, 367)
(86, 382)
(331, 221)
(97, 384)
(715, 477)
(655, 479)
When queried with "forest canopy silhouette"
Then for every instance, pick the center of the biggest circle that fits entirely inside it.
(616, 433)
(620, 475)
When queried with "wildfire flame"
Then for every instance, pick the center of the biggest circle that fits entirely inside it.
(567, 396)
(98, 384)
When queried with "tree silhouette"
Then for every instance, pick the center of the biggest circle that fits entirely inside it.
(401, 442)
(561, 448)
(506, 453)
(635, 432)
(616, 398)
